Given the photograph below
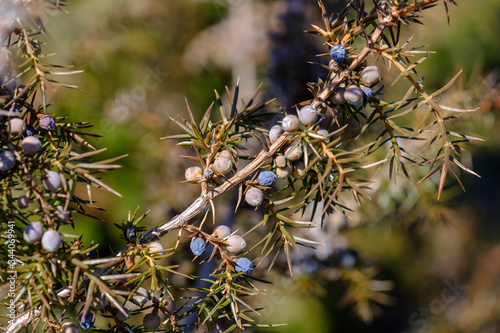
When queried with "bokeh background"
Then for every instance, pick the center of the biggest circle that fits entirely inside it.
(142, 58)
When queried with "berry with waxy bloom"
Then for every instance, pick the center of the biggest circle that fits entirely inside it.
(280, 161)
(367, 92)
(23, 202)
(28, 131)
(254, 196)
(16, 126)
(338, 53)
(221, 231)
(235, 243)
(290, 123)
(151, 322)
(275, 132)
(33, 232)
(266, 178)
(208, 173)
(52, 181)
(324, 133)
(197, 246)
(244, 265)
(69, 328)
(354, 96)
(223, 164)
(155, 247)
(293, 153)
(47, 122)
(338, 97)
(370, 75)
(193, 174)
(308, 115)
(51, 240)
(7, 160)
(283, 172)
(61, 214)
(31, 145)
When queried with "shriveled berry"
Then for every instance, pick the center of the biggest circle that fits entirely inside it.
(69, 328)
(223, 164)
(141, 296)
(151, 322)
(16, 126)
(221, 231)
(197, 246)
(308, 115)
(367, 92)
(354, 96)
(23, 202)
(52, 181)
(31, 145)
(290, 123)
(33, 232)
(338, 97)
(244, 265)
(208, 173)
(254, 196)
(266, 178)
(370, 75)
(338, 53)
(275, 132)
(280, 161)
(7, 160)
(47, 122)
(235, 243)
(283, 172)
(51, 240)
(293, 153)
(193, 174)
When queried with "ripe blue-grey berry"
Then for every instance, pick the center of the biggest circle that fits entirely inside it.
(254, 196)
(51, 240)
(31, 145)
(354, 96)
(338, 53)
(69, 328)
(16, 126)
(197, 246)
(267, 178)
(370, 75)
(52, 181)
(47, 122)
(223, 164)
(290, 123)
(151, 322)
(367, 92)
(7, 160)
(308, 115)
(33, 232)
(244, 265)
(87, 322)
(208, 173)
(275, 132)
(337, 97)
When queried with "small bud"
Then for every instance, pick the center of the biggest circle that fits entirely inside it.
(283, 172)
(354, 96)
(235, 243)
(193, 174)
(197, 246)
(52, 181)
(280, 161)
(16, 126)
(293, 153)
(223, 164)
(47, 122)
(31, 145)
(33, 232)
(51, 240)
(151, 322)
(254, 196)
(141, 296)
(7, 160)
(267, 178)
(370, 75)
(338, 53)
(221, 231)
(308, 115)
(290, 123)
(338, 97)
(275, 132)
(244, 265)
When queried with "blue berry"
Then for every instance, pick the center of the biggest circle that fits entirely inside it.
(244, 265)
(367, 92)
(47, 122)
(87, 322)
(338, 53)
(267, 178)
(197, 246)
(28, 131)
